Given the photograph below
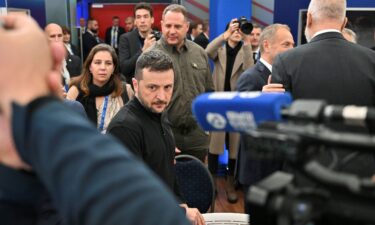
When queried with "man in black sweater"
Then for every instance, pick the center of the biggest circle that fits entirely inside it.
(142, 124)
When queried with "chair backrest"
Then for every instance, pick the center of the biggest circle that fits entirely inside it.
(226, 218)
(195, 183)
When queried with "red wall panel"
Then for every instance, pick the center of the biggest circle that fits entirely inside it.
(104, 15)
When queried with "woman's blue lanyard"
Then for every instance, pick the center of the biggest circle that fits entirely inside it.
(101, 125)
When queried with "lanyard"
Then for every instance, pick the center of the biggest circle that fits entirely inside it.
(101, 126)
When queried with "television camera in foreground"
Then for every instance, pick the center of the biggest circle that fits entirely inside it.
(295, 132)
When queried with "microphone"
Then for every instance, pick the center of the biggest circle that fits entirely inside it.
(238, 111)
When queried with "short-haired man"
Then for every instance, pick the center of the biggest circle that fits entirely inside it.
(72, 63)
(90, 38)
(113, 33)
(274, 40)
(133, 43)
(129, 23)
(254, 39)
(331, 68)
(91, 177)
(192, 77)
(142, 124)
(195, 28)
(203, 38)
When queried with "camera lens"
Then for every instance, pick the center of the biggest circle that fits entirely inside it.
(245, 26)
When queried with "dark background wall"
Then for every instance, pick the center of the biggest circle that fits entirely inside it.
(37, 8)
(286, 11)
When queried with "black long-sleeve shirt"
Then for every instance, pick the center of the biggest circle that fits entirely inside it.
(149, 136)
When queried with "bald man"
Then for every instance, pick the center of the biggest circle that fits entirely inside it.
(71, 64)
(331, 68)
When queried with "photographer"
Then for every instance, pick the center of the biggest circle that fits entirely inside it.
(232, 56)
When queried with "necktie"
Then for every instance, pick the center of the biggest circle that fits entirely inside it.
(255, 57)
(114, 37)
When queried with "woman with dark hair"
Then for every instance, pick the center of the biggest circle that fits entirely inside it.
(99, 88)
(232, 55)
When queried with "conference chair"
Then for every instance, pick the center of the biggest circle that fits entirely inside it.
(195, 182)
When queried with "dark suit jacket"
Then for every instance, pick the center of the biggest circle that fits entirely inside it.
(88, 186)
(254, 78)
(333, 69)
(108, 34)
(202, 40)
(249, 169)
(88, 41)
(330, 68)
(73, 65)
(129, 51)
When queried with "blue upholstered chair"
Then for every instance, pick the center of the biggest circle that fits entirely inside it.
(195, 183)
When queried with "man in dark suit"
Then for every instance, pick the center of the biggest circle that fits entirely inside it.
(203, 38)
(274, 40)
(133, 43)
(195, 29)
(90, 37)
(328, 67)
(331, 68)
(113, 33)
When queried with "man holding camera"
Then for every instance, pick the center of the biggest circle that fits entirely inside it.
(133, 43)
(231, 57)
(192, 77)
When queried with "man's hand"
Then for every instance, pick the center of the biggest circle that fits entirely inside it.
(233, 26)
(149, 41)
(27, 69)
(272, 87)
(176, 151)
(193, 215)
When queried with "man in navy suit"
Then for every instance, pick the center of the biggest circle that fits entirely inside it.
(113, 33)
(274, 39)
(88, 186)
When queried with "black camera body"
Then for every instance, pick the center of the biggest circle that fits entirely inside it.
(245, 25)
(157, 34)
(331, 195)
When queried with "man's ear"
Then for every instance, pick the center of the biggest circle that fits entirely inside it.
(135, 85)
(344, 23)
(309, 19)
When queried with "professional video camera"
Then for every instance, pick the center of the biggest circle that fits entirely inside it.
(296, 132)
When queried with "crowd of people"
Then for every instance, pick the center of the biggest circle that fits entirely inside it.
(108, 158)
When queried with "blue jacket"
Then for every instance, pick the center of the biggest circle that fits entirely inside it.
(91, 178)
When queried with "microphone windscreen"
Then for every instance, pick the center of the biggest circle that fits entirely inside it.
(238, 111)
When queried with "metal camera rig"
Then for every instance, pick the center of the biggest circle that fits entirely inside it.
(348, 197)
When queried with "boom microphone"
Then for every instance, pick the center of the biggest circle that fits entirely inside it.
(238, 111)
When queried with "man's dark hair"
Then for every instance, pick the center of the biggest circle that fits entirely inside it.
(115, 17)
(144, 5)
(154, 60)
(194, 24)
